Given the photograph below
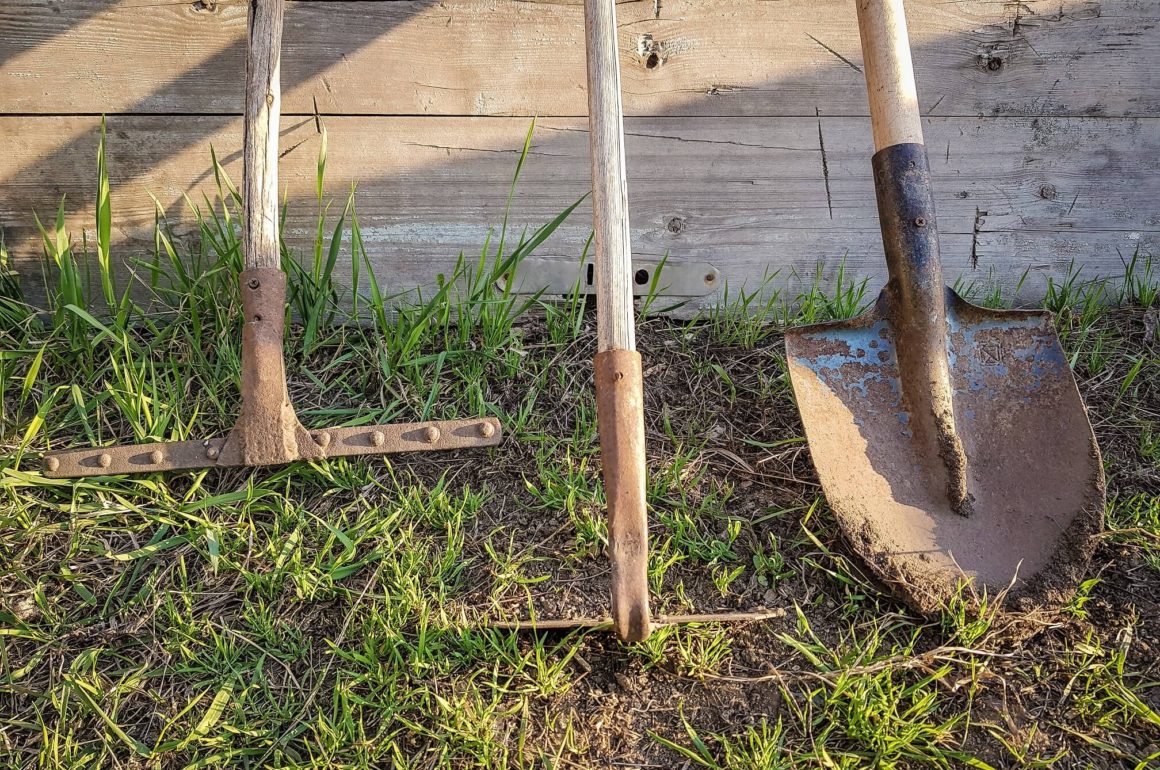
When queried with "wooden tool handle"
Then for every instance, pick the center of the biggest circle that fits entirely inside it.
(263, 103)
(889, 73)
(619, 387)
(615, 324)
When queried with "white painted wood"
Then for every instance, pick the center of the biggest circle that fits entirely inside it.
(747, 195)
(263, 107)
(615, 319)
(894, 111)
(489, 57)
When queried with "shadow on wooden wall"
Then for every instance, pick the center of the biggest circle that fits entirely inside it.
(748, 142)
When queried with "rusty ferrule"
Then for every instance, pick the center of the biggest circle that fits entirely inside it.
(620, 418)
(267, 431)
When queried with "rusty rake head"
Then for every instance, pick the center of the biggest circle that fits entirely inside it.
(268, 431)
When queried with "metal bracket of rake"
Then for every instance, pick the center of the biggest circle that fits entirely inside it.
(268, 431)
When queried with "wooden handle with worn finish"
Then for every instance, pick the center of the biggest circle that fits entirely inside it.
(889, 73)
(619, 386)
(615, 322)
(260, 246)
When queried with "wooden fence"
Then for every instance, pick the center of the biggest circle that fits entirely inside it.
(748, 138)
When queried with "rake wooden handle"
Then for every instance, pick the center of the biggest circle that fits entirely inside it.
(889, 73)
(260, 247)
(619, 388)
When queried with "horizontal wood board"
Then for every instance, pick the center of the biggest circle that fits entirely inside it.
(748, 143)
(747, 195)
(499, 57)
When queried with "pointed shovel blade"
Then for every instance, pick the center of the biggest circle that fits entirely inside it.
(1033, 466)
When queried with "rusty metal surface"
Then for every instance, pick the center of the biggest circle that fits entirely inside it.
(950, 439)
(328, 443)
(268, 431)
(1032, 465)
(620, 418)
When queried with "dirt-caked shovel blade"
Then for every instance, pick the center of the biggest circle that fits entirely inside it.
(1033, 472)
(950, 440)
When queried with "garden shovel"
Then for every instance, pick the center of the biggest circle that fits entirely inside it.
(268, 431)
(950, 439)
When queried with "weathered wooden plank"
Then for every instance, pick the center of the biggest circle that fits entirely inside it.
(488, 57)
(744, 194)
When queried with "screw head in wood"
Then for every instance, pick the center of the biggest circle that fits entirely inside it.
(156, 457)
(51, 463)
(486, 429)
(104, 459)
(377, 438)
(431, 433)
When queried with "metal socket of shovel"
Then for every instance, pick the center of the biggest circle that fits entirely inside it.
(268, 431)
(950, 439)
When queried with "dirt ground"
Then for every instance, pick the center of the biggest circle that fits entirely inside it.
(738, 401)
(381, 669)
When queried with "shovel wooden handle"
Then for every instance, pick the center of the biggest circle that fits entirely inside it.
(889, 73)
(260, 247)
(619, 388)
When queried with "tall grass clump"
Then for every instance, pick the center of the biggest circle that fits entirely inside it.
(160, 346)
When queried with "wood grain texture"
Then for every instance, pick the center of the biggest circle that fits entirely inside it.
(893, 97)
(493, 57)
(747, 195)
(615, 316)
(260, 247)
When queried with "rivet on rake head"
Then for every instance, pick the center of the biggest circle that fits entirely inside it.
(212, 453)
(156, 457)
(323, 439)
(104, 460)
(51, 463)
(486, 429)
(431, 433)
(377, 438)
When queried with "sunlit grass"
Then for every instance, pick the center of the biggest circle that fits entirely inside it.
(327, 615)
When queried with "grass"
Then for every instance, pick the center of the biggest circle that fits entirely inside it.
(328, 615)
